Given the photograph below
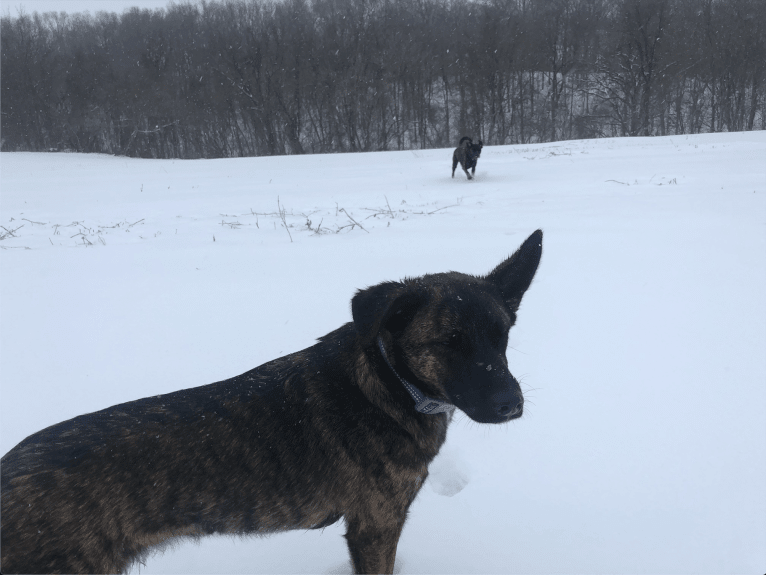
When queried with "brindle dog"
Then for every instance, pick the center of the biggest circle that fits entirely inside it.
(345, 428)
(467, 153)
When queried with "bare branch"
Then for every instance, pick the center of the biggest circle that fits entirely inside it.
(284, 221)
(352, 219)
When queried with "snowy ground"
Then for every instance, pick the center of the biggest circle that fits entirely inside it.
(641, 343)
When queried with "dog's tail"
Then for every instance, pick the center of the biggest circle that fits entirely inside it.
(465, 141)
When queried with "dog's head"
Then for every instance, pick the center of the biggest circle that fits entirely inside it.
(447, 333)
(474, 151)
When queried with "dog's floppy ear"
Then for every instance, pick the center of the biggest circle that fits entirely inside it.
(514, 275)
(389, 305)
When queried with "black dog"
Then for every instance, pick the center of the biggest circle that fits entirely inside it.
(467, 153)
(345, 428)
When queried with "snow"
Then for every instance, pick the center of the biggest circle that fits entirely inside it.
(640, 345)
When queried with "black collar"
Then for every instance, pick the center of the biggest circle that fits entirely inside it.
(423, 403)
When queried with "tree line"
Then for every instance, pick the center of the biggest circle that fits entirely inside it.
(247, 77)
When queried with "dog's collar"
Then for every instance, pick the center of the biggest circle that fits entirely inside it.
(423, 403)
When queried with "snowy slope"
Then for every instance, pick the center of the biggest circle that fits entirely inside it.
(641, 343)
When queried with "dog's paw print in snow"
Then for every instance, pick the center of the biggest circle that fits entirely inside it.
(448, 473)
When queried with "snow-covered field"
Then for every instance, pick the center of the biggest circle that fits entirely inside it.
(641, 344)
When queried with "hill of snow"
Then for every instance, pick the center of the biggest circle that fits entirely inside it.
(640, 345)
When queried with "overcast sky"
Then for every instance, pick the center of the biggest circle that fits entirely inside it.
(72, 6)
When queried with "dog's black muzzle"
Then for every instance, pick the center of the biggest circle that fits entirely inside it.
(490, 396)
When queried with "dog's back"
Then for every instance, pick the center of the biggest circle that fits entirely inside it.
(92, 494)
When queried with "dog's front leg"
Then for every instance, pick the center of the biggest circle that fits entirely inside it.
(372, 544)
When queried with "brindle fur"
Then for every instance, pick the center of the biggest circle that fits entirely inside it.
(467, 154)
(297, 443)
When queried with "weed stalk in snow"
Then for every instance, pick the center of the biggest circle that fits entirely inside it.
(284, 221)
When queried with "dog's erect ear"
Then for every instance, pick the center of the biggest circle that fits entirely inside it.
(389, 305)
(514, 275)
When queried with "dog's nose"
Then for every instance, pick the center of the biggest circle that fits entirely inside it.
(508, 404)
(508, 410)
